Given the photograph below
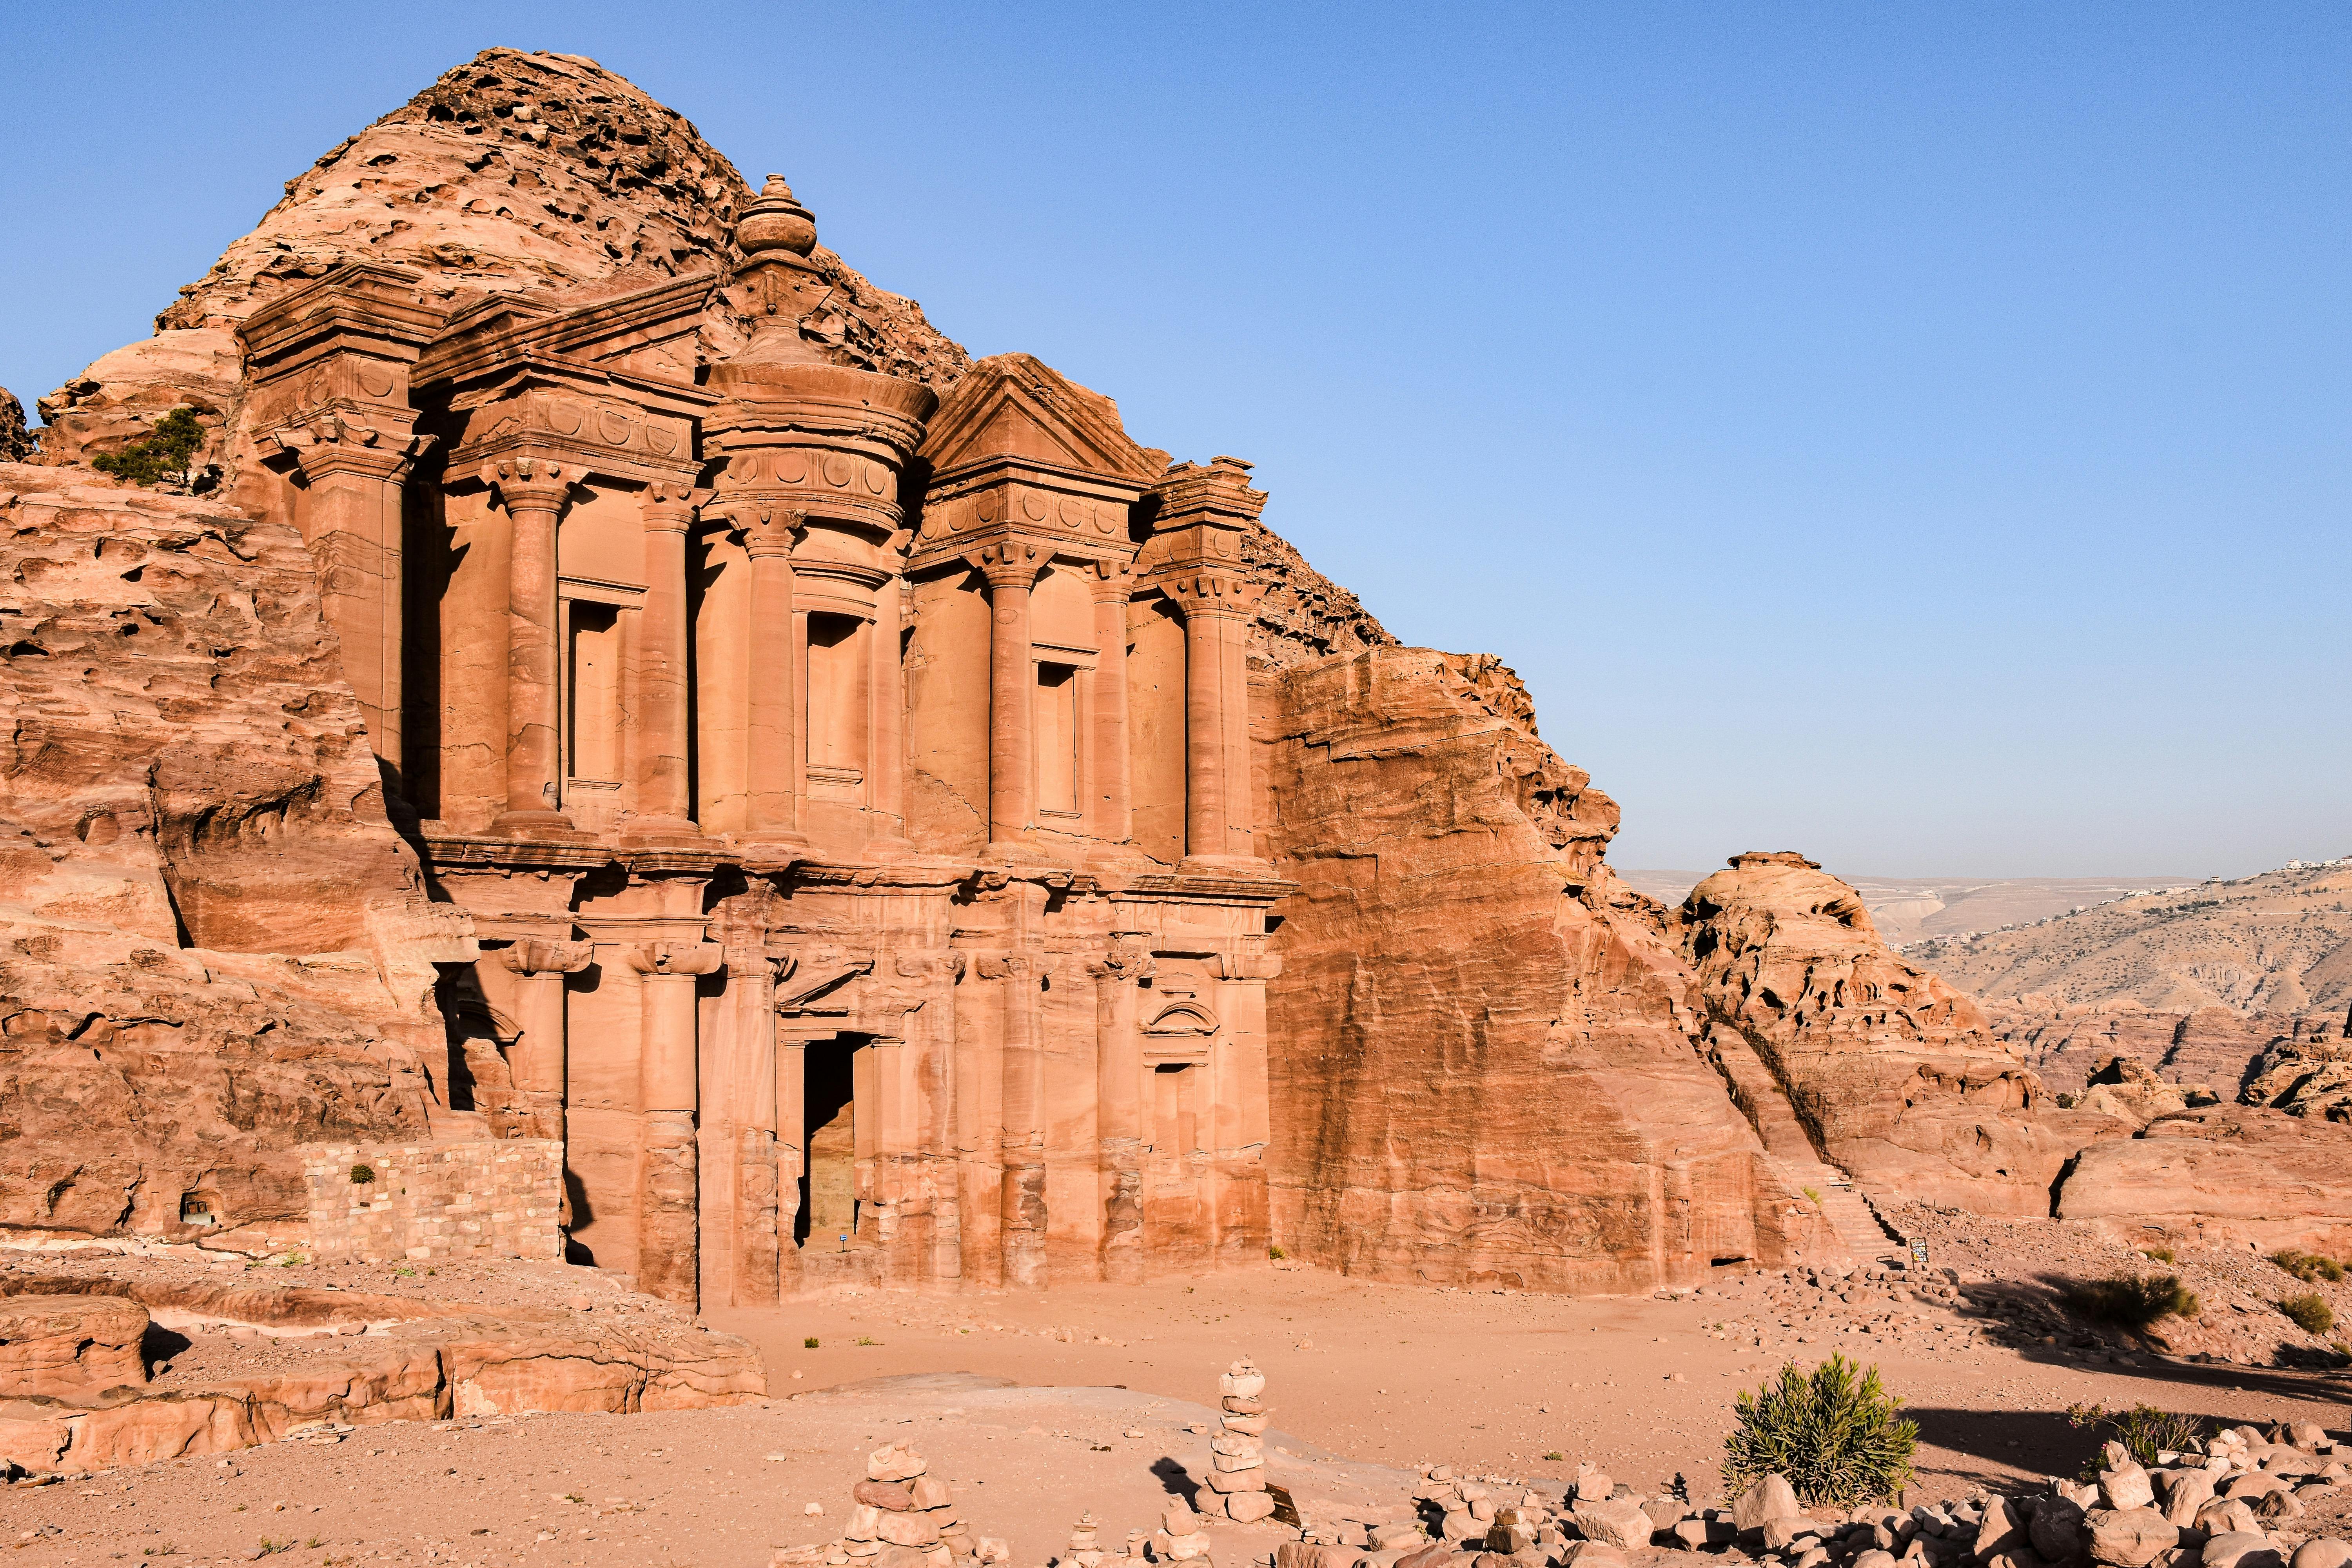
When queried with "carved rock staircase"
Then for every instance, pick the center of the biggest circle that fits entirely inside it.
(1759, 1096)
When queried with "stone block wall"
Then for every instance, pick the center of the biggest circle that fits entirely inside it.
(499, 1199)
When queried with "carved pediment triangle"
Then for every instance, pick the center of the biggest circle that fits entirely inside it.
(1016, 406)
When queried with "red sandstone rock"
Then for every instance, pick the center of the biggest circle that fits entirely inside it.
(70, 1346)
(1480, 1062)
(189, 799)
(1892, 1070)
(2221, 1176)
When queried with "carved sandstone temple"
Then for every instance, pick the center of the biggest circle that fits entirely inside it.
(850, 789)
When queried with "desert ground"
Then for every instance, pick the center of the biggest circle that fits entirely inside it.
(1038, 1406)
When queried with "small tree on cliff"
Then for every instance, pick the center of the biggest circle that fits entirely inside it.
(164, 455)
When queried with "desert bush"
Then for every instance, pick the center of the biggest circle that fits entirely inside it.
(2135, 1300)
(2158, 1254)
(2308, 1267)
(2142, 1430)
(2310, 1311)
(164, 455)
(1833, 1434)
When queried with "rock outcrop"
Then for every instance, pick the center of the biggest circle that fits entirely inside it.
(2221, 1176)
(17, 443)
(385, 1358)
(1891, 1070)
(216, 946)
(1480, 1054)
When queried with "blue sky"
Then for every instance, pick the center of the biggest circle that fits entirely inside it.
(1914, 435)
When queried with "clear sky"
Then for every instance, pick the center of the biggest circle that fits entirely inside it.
(1911, 434)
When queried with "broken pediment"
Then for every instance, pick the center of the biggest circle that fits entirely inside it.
(1016, 408)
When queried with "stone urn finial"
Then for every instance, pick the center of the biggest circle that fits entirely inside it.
(776, 221)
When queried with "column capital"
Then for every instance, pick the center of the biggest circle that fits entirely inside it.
(1213, 593)
(537, 955)
(675, 960)
(769, 531)
(667, 506)
(531, 484)
(1009, 562)
(336, 442)
(1112, 582)
(1127, 958)
(1016, 965)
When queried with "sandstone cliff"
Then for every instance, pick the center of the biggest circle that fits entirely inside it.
(1482, 1067)
(216, 948)
(1892, 1072)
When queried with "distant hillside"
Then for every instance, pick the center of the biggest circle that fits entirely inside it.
(1906, 908)
(2279, 943)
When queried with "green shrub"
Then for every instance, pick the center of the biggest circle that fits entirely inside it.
(1835, 1435)
(2310, 1311)
(362, 1174)
(809, 1344)
(163, 455)
(2308, 1267)
(2135, 1300)
(1276, 1253)
(2142, 1430)
(2159, 1254)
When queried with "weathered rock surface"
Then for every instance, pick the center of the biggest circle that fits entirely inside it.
(415, 1359)
(1890, 1069)
(69, 1347)
(216, 946)
(17, 443)
(2221, 1174)
(1480, 1059)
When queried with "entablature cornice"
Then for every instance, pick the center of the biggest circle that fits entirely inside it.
(460, 385)
(359, 307)
(605, 435)
(1043, 549)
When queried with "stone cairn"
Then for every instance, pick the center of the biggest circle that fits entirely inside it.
(1083, 1551)
(1237, 1454)
(1180, 1537)
(904, 1518)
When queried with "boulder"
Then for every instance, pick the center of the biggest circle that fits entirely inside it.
(1613, 1523)
(1770, 1498)
(1593, 1554)
(2128, 1537)
(2057, 1529)
(2126, 1487)
(2189, 1490)
(2243, 1549)
(1248, 1507)
(2321, 1552)
(2003, 1529)
(2232, 1175)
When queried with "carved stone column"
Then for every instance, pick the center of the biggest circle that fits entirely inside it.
(778, 628)
(349, 512)
(537, 1058)
(791, 1154)
(1118, 1109)
(534, 493)
(1022, 1207)
(667, 1204)
(1011, 568)
(664, 806)
(1218, 829)
(738, 1138)
(1113, 805)
(885, 753)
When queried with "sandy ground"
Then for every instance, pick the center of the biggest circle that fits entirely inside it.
(1365, 1380)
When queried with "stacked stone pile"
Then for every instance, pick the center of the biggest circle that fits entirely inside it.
(1085, 1551)
(1180, 1538)
(904, 1517)
(1237, 1453)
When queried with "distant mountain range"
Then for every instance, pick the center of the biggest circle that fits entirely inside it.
(1907, 909)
